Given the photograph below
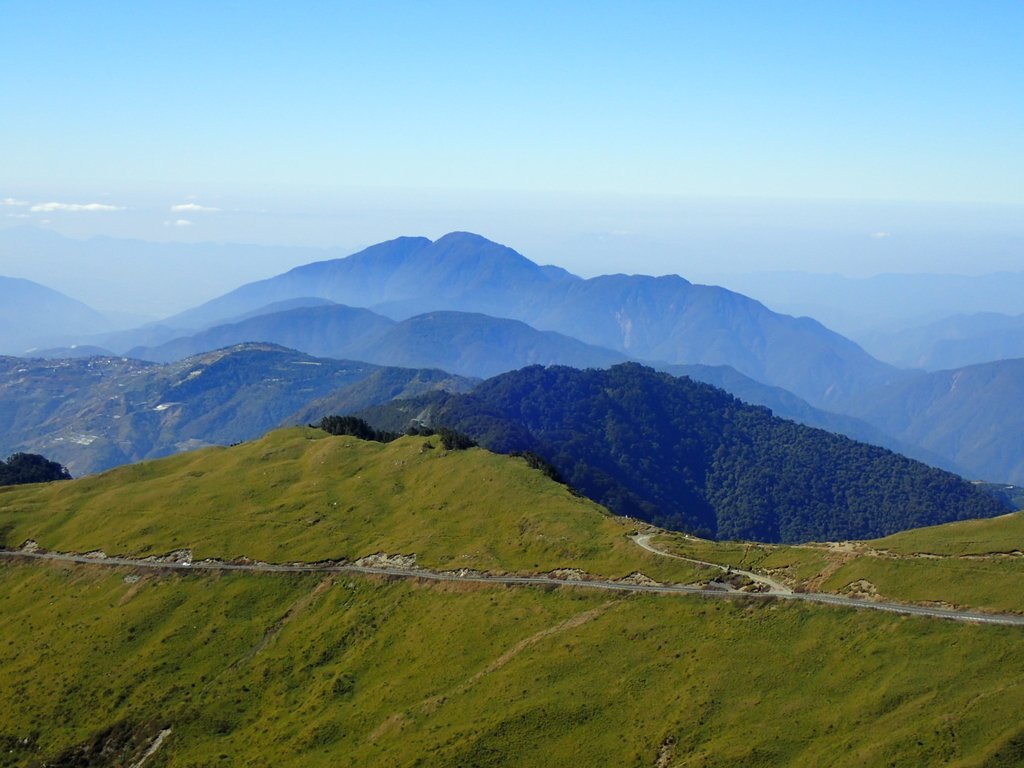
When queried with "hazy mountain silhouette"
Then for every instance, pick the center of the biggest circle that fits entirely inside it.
(861, 307)
(140, 277)
(469, 344)
(953, 342)
(473, 344)
(664, 318)
(32, 315)
(971, 415)
(326, 331)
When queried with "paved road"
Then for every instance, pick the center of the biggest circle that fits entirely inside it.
(422, 573)
(776, 589)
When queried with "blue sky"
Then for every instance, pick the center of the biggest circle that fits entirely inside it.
(658, 127)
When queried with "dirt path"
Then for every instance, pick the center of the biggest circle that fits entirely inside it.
(432, 703)
(571, 623)
(296, 608)
(774, 587)
(157, 743)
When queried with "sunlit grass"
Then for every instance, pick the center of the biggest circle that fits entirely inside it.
(301, 495)
(301, 670)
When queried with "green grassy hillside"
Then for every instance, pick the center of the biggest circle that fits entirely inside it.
(301, 495)
(99, 664)
(270, 670)
(998, 535)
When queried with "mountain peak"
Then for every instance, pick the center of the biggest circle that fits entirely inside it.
(463, 236)
(476, 247)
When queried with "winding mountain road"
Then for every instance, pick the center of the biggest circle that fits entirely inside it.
(429, 575)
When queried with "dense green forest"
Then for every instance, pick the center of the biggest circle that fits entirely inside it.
(688, 456)
(24, 468)
(1010, 495)
(355, 427)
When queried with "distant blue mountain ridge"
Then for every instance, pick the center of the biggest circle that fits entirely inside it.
(648, 318)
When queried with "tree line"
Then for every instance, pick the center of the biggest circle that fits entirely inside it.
(353, 426)
(22, 468)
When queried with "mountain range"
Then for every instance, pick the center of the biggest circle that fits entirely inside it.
(866, 308)
(476, 308)
(306, 599)
(97, 413)
(664, 319)
(143, 280)
(465, 343)
(970, 415)
(953, 342)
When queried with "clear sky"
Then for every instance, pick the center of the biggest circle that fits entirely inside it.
(638, 136)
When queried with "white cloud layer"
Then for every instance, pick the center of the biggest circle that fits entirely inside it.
(881, 235)
(183, 223)
(12, 202)
(74, 207)
(193, 208)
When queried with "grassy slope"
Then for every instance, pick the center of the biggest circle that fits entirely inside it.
(975, 563)
(301, 495)
(312, 670)
(967, 563)
(972, 537)
(305, 671)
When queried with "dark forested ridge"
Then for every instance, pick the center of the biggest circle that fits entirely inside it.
(688, 456)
